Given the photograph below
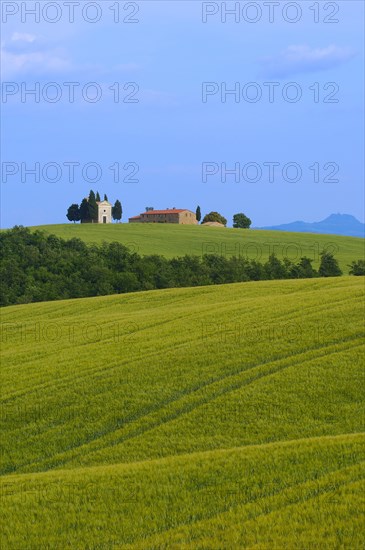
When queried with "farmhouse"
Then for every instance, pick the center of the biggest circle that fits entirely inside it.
(104, 212)
(170, 215)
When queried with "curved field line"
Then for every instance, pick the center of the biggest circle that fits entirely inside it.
(270, 369)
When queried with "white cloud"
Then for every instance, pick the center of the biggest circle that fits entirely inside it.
(32, 62)
(26, 53)
(23, 37)
(303, 59)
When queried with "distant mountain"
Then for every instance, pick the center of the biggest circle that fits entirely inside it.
(335, 224)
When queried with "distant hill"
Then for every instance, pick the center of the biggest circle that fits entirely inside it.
(335, 224)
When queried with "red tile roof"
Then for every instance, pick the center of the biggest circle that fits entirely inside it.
(169, 211)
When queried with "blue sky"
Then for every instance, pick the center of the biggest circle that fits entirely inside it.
(170, 132)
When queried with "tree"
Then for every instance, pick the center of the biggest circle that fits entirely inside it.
(215, 217)
(329, 265)
(126, 282)
(241, 221)
(84, 211)
(105, 197)
(117, 211)
(73, 213)
(97, 198)
(93, 207)
(198, 214)
(274, 268)
(357, 268)
(304, 269)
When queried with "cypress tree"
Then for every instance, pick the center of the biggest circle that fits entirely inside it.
(84, 211)
(117, 211)
(93, 207)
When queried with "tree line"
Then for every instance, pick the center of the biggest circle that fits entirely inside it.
(87, 212)
(37, 267)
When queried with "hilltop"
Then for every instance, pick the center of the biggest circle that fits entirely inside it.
(211, 417)
(177, 240)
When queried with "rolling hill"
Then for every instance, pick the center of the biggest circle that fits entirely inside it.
(177, 240)
(211, 417)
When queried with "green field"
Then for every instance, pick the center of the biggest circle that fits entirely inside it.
(177, 240)
(212, 418)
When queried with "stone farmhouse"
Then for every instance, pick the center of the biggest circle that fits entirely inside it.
(170, 215)
(104, 212)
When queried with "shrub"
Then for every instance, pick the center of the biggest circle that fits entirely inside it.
(329, 266)
(357, 268)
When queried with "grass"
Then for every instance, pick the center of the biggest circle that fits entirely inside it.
(303, 494)
(177, 240)
(212, 417)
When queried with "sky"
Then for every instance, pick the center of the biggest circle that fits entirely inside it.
(253, 107)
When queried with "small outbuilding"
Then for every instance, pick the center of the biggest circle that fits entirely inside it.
(104, 212)
(214, 224)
